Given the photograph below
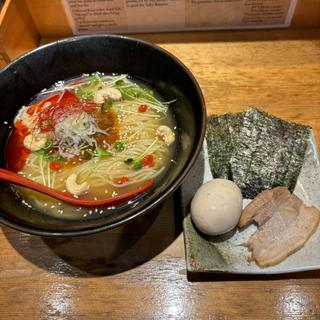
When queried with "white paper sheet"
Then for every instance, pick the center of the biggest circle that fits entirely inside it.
(118, 16)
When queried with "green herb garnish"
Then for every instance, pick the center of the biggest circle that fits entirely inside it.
(137, 165)
(45, 150)
(88, 153)
(130, 92)
(138, 92)
(95, 78)
(52, 158)
(42, 152)
(48, 145)
(107, 105)
(120, 82)
(103, 153)
(87, 95)
(119, 145)
(86, 90)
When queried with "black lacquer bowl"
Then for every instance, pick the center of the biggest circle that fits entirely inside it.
(42, 67)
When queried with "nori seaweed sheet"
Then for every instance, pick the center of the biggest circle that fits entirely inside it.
(221, 136)
(269, 152)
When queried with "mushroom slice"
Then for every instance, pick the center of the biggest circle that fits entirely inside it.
(35, 142)
(75, 188)
(106, 93)
(166, 134)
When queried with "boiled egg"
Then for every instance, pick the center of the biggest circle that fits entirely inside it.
(216, 207)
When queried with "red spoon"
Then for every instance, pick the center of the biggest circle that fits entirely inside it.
(14, 178)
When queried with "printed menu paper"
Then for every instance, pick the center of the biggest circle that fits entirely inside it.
(127, 16)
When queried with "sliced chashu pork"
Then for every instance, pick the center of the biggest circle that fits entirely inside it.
(291, 225)
(262, 207)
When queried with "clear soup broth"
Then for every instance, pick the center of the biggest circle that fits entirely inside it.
(95, 136)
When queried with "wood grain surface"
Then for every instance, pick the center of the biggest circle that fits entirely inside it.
(18, 32)
(55, 21)
(138, 271)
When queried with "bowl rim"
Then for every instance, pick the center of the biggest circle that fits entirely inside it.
(23, 227)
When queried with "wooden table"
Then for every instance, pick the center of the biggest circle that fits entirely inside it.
(138, 271)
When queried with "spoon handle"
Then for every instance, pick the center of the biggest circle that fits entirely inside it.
(14, 178)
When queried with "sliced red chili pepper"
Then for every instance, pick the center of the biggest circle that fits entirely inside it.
(37, 107)
(21, 129)
(32, 109)
(19, 125)
(17, 154)
(143, 108)
(65, 105)
(148, 161)
(123, 180)
(55, 165)
(68, 97)
(24, 152)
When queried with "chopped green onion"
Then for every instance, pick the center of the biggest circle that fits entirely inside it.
(103, 153)
(42, 152)
(119, 145)
(137, 165)
(95, 78)
(48, 145)
(54, 158)
(87, 95)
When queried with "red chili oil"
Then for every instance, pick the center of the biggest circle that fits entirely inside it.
(16, 153)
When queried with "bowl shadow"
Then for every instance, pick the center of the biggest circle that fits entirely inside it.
(106, 253)
(113, 251)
